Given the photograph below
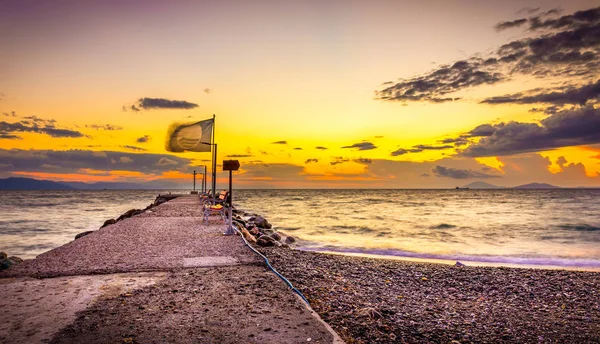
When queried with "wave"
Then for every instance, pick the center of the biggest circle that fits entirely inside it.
(511, 260)
(352, 229)
(579, 227)
(443, 226)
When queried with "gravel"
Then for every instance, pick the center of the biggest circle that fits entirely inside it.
(369, 300)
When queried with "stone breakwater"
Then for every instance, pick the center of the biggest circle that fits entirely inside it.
(257, 230)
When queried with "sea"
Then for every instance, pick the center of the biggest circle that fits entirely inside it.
(558, 228)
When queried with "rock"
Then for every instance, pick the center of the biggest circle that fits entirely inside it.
(266, 231)
(15, 259)
(129, 213)
(82, 234)
(160, 200)
(249, 237)
(276, 236)
(254, 231)
(7, 262)
(108, 222)
(290, 240)
(265, 241)
(459, 264)
(261, 222)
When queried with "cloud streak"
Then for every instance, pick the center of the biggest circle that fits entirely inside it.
(455, 173)
(574, 127)
(568, 46)
(571, 95)
(362, 146)
(418, 149)
(8, 130)
(158, 104)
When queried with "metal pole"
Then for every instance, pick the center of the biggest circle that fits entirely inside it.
(214, 181)
(194, 180)
(230, 230)
(204, 180)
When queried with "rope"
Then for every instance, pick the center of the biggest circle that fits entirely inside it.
(289, 284)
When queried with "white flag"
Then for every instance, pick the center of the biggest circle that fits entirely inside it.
(193, 137)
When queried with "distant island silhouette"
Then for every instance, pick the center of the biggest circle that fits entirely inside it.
(18, 183)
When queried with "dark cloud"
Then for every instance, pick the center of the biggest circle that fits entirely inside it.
(363, 161)
(424, 175)
(321, 148)
(569, 95)
(483, 130)
(107, 127)
(72, 161)
(297, 148)
(279, 143)
(528, 10)
(575, 20)
(457, 141)
(7, 130)
(568, 47)
(510, 24)
(338, 160)
(308, 161)
(9, 136)
(448, 172)
(239, 156)
(10, 114)
(143, 139)
(207, 90)
(161, 103)
(447, 79)
(572, 127)
(134, 148)
(418, 149)
(362, 146)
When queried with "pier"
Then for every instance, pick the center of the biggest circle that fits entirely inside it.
(158, 277)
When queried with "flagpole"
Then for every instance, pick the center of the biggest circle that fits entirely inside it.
(214, 167)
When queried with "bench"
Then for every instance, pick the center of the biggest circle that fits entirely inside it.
(214, 206)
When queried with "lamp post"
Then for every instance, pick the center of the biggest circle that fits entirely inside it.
(230, 165)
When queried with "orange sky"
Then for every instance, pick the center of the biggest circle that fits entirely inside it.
(306, 94)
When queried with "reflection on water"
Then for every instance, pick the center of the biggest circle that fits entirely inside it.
(519, 226)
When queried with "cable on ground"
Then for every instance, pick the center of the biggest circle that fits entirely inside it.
(271, 267)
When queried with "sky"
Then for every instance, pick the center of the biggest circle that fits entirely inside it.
(306, 94)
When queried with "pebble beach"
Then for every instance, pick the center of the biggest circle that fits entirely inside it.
(369, 300)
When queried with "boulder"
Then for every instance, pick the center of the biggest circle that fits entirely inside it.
(7, 262)
(266, 231)
(254, 231)
(265, 241)
(249, 237)
(82, 234)
(108, 222)
(261, 222)
(290, 240)
(275, 236)
(459, 264)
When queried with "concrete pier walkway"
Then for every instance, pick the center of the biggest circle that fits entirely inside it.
(159, 277)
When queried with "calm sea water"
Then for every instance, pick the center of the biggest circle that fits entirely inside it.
(529, 227)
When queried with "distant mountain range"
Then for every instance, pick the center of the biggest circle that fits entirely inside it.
(15, 183)
(484, 185)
